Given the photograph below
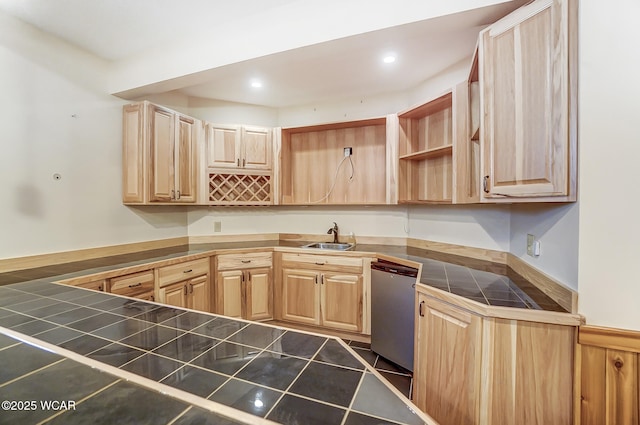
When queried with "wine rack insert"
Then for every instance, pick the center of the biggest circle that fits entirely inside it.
(240, 189)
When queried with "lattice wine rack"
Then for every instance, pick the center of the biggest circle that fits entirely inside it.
(239, 189)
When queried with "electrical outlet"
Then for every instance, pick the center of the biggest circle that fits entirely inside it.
(217, 226)
(533, 246)
(348, 152)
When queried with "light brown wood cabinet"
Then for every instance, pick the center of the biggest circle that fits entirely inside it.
(244, 286)
(239, 147)
(186, 284)
(437, 160)
(314, 169)
(529, 87)
(136, 285)
(472, 367)
(159, 155)
(324, 291)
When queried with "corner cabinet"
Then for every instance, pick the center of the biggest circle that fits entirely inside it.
(244, 285)
(322, 290)
(481, 365)
(528, 68)
(159, 155)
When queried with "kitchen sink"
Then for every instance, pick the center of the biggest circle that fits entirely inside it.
(332, 246)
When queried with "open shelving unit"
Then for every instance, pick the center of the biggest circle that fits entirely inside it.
(425, 152)
(314, 171)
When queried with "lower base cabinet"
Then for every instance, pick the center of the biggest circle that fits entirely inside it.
(186, 284)
(472, 368)
(328, 299)
(244, 285)
(192, 293)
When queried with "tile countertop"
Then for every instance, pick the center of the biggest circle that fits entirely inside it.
(113, 359)
(482, 281)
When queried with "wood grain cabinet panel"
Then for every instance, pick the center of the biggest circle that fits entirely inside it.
(475, 369)
(186, 284)
(323, 291)
(160, 163)
(528, 89)
(447, 381)
(244, 285)
(239, 147)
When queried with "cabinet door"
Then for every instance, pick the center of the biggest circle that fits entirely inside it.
(162, 145)
(341, 301)
(300, 296)
(175, 294)
(199, 296)
(185, 160)
(448, 362)
(229, 293)
(256, 148)
(526, 102)
(223, 146)
(133, 176)
(259, 294)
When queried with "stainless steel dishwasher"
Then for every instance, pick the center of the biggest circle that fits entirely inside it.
(392, 311)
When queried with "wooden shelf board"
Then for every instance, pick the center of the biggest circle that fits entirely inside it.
(336, 126)
(443, 102)
(429, 153)
(426, 201)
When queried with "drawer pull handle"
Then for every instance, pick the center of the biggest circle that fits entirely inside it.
(191, 288)
(320, 264)
(188, 271)
(185, 289)
(135, 285)
(420, 309)
(246, 261)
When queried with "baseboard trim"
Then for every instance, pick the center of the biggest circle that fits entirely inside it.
(43, 260)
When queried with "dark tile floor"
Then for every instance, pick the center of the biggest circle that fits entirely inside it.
(397, 376)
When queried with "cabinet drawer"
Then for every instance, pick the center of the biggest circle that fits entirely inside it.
(322, 262)
(96, 285)
(182, 271)
(244, 261)
(132, 284)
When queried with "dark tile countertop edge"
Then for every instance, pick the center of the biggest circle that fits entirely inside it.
(98, 313)
(512, 290)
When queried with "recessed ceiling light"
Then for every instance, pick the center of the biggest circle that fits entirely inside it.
(389, 59)
(256, 84)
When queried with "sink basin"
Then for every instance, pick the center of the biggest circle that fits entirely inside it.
(328, 245)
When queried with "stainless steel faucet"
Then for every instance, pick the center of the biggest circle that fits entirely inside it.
(334, 230)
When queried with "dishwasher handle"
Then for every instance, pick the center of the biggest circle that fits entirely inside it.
(394, 268)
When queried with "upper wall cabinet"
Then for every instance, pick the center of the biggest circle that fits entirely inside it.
(159, 155)
(529, 117)
(438, 156)
(239, 165)
(238, 147)
(339, 164)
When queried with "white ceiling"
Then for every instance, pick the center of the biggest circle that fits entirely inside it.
(118, 30)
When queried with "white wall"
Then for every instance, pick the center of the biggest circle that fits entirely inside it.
(482, 226)
(556, 227)
(609, 163)
(55, 118)
(222, 112)
(389, 221)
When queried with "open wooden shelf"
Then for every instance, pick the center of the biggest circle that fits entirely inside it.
(313, 164)
(429, 153)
